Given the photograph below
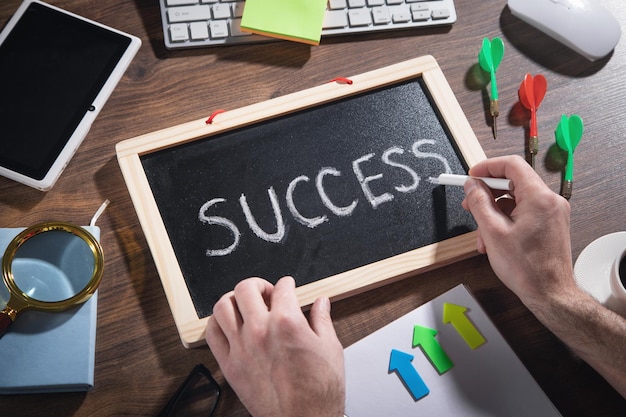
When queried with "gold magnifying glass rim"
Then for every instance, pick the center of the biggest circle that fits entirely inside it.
(30, 232)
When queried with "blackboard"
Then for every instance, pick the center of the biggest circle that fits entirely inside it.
(313, 191)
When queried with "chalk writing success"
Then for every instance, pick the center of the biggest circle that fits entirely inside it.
(364, 181)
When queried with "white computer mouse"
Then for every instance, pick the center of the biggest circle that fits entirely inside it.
(583, 25)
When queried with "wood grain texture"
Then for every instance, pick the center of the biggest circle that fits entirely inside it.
(140, 360)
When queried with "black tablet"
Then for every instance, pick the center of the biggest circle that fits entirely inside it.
(57, 70)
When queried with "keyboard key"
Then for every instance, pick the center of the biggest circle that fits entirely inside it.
(420, 15)
(334, 19)
(400, 14)
(440, 14)
(178, 32)
(373, 3)
(356, 3)
(381, 15)
(221, 11)
(219, 29)
(180, 2)
(188, 13)
(238, 9)
(337, 4)
(359, 17)
(419, 7)
(235, 28)
(199, 30)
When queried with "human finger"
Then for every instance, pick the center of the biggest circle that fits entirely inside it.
(321, 321)
(284, 295)
(480, 202)
(226, 316)
(252, 297)
(480, 244)
(216, 339)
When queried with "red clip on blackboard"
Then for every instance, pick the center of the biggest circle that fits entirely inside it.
(212, 116)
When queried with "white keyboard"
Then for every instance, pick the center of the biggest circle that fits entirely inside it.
(197, 23)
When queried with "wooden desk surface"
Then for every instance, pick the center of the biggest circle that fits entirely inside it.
(140, 360)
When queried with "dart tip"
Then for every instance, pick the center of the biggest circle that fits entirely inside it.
(566, 189)
(494, 109)
(533, 148)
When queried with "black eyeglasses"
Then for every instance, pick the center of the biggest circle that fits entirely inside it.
(197, 396)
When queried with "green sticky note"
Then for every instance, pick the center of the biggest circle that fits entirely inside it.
(296, 20)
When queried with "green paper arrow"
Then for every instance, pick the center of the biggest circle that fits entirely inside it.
(425, 338)
(568, 133)
(455, 315)
(489, 58)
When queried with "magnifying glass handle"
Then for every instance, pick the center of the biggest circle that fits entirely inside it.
(5, 320)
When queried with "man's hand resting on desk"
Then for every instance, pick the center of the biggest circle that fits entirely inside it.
(277, 362)
(527, 241)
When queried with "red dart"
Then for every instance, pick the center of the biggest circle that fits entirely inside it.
(531, 93)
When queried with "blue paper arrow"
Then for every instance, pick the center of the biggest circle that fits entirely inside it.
(400, 362)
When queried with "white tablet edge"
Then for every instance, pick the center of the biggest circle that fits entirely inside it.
(83, 127)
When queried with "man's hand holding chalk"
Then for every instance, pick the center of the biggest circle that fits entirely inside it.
(459, 180)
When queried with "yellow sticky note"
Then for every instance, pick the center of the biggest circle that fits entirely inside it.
(296, 20)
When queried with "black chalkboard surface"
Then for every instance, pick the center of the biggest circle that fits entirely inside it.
(311, 192)
(392, 136)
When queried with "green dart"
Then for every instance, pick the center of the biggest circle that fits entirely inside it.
(489, 59)
(568, 133)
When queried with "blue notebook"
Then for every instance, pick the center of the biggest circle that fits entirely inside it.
(48, 352)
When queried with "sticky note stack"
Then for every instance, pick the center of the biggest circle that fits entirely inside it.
(295, 20)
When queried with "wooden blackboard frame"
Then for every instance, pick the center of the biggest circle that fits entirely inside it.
(190, 326)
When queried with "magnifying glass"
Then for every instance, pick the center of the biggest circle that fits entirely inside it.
(50, 267)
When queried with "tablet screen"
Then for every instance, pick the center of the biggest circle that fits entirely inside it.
(52, 67)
